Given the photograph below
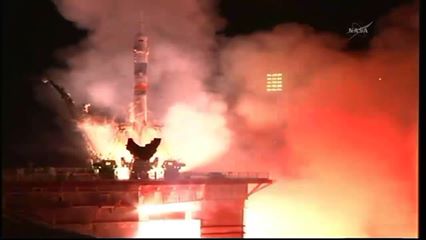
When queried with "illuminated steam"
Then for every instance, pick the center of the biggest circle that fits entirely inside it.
(101, 70)
(340, 143)
(196, 135)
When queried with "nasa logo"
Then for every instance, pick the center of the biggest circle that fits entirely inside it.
(357, 29)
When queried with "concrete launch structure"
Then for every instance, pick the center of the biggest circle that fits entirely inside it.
(109, 208)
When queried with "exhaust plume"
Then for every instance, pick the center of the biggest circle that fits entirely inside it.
(341, 139)
(181, 36)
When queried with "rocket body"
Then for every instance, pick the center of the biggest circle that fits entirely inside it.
(140, 52)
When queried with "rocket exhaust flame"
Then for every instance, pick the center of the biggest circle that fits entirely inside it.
(169, 229)
(148, 209)
(187, 227)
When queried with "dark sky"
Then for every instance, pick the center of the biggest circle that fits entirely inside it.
(33, 30)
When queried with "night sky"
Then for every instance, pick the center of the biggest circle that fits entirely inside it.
(32, 31)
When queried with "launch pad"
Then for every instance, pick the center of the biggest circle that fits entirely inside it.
(111, 208)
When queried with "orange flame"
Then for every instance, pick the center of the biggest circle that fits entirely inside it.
(169, 229)
(105, 140)
(184, 228)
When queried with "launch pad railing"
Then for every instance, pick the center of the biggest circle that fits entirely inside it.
(88, 174)
(246, 174)
(47, 174)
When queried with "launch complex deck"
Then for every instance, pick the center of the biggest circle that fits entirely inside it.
(112, 208)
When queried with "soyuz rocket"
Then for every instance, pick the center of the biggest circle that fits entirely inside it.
(144, 128)
(140, 54)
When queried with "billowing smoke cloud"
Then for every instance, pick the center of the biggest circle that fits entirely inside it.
(207, 137)
(340, 140)
(181, 40)
(101, 67)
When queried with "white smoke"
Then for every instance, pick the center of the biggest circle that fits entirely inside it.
(340, 142)
(181, 39)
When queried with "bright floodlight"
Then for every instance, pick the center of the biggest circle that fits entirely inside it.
(274, 82)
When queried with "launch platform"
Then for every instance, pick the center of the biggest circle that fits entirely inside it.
(213, 203)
